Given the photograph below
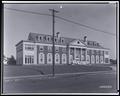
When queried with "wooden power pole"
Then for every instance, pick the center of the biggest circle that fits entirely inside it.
(53, 50)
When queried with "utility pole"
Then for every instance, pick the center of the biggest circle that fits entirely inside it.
(53, 50)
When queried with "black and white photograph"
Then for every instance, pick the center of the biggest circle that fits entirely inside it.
(60, 47)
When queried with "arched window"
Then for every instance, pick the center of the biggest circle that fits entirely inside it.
(37, 38)
(101, 59)
(71, 59)
(92, 59)
(49, 58)
(57, 58)
(97, 59)
(64, 59)
(88, 59)
(41, 58)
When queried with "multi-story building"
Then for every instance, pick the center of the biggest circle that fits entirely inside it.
(38, 50)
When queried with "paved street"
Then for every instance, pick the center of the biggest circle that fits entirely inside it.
(94, 82)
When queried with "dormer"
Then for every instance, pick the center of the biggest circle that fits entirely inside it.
(48, 39)
(55, 39)
(62, 40)
(77, 43)
(39, 38)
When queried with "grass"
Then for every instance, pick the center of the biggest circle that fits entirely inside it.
(47, 69)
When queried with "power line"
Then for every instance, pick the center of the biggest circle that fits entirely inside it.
(27, 11)
(85, 26)
(70, 21)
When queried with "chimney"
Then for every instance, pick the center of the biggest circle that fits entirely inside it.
(85, 38)
(58, 35)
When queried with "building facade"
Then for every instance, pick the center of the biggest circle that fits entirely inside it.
(38, 50)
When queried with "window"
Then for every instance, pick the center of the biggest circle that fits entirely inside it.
(40, 38)
(97, 52)
(41, 48)
(29, 59)
(48, 39)
(50, 48)
(41, 58)
(92, 51)
(63, 49)
(29, 47)
(71, 59)
(64, 60)
(77, 53)
(62, 40)
(97, 44)
(49, 58)
(92, 59)
(83, 52)
(101, 52)
(55, 39)
(88, 59)
(57, 58)
(93, 43)
(88, 43)
(25, 59)
(97, 59)
(57, 49)
(106, 60)
(101, 59)
(88, 51)
(37, 38)
(32, 59)
(82, 57)
(71, 50)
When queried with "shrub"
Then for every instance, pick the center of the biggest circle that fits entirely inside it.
(11, 61)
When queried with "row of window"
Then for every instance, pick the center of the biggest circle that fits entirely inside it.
(92, 43)
(98, 59)
(41, 48)
(29, 59)
(49, 39)
(96, 52)
(88, 51)
(29, 47)
(49, 58)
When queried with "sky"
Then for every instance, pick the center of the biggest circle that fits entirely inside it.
(18, 25)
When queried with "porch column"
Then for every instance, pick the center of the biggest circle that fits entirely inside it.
(74, 53)
(81, 55)
(86, 55)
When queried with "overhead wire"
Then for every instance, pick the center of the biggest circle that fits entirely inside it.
(67, 20)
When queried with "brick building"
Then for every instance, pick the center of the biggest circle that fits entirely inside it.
(38, 50)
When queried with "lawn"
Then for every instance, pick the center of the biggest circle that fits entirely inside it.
(15, 70)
